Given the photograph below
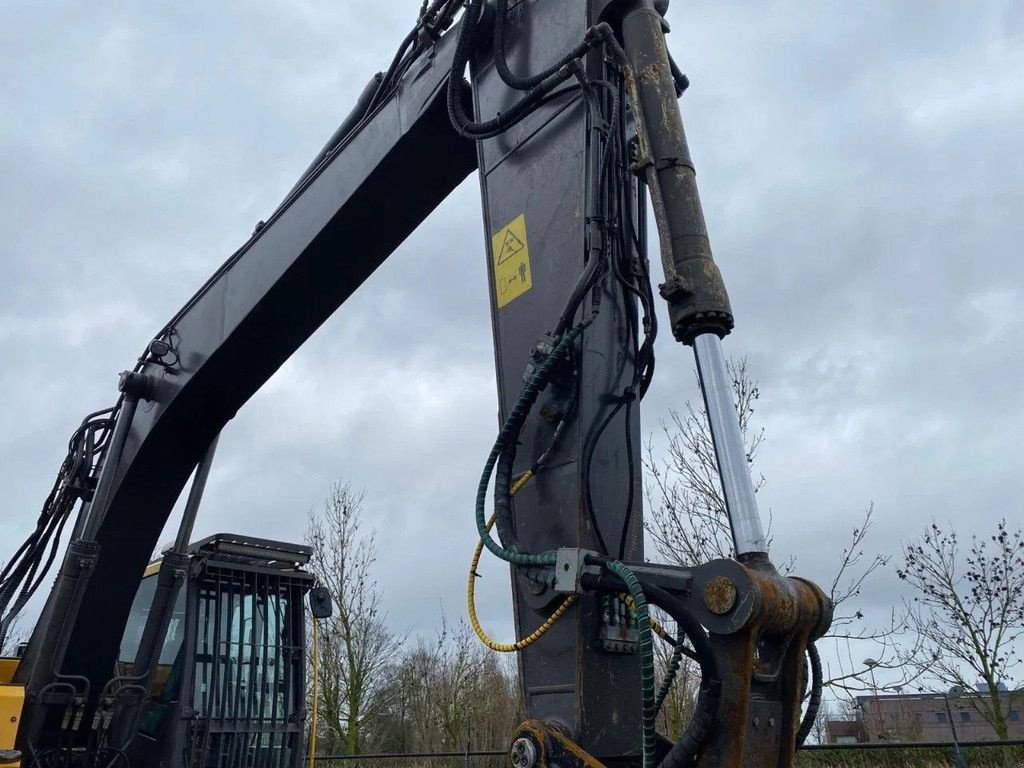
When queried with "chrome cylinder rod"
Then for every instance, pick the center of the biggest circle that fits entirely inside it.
(733, 467)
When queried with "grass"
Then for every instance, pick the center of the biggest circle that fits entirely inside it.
(932, 757)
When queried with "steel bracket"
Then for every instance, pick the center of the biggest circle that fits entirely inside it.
(570, 567)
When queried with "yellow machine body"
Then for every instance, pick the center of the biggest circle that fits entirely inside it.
(12, 697)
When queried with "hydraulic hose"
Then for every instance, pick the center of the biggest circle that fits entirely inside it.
(502, 498)
(670, 676)
(353, 119)
(705, 720)
(509, 432)
(815, 701)
(501, 58)
(474, 620)
(645, 646)
(471, 129)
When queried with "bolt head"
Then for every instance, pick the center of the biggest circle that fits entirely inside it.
(720, 595)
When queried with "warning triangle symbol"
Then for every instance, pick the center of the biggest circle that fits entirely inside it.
(509, 247)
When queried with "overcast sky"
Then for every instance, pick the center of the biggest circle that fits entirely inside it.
(862, 170)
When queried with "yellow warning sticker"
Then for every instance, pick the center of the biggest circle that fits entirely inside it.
(511, 256)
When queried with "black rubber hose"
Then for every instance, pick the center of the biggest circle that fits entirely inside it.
(815, 701)
(705, 719)
(682, 82)
(587, 279)
(511, 79)
(502, 500)
(670, 675)
(588, 498)
(353, 118)
(466, 126)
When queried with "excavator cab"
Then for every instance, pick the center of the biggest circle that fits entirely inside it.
(228, 687)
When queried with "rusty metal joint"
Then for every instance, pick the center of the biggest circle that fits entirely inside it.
(674, 288)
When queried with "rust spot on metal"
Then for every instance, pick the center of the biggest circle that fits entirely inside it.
(555, 748)
(720, 595)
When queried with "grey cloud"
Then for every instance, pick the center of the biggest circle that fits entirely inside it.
(861, 172)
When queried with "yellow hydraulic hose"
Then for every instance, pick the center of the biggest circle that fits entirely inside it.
(316, 681)
(486, 639)
(659, 630)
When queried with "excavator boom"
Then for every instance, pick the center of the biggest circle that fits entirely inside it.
(571, 117)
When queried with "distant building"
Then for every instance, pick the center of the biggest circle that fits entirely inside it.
(845, 732)
(923, 717)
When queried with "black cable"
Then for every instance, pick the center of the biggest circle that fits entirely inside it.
(627, 518)
(469, 128)
(611, 188)
(393, 70)
(27, 569)
(807, 723)
(681, 81)
(463, 123)
(684, 752)
(670, 675)
(501, 59)
(588, 496)
(439, 13)
(640, 283)
(503, 501)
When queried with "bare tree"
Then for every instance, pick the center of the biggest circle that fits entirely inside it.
(15, 637)
(14, 634)
(450, 692)
(680, 702)
(819, 730)
(688, 519)
(357, 650)
(689, 524)
(892, 646)
(968, 609)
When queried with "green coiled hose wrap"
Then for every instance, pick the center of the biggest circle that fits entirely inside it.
(646, 648)
(510, 431)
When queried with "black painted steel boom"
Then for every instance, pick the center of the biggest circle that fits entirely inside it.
(342, 223)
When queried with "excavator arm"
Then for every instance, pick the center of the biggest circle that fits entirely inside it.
(341, 222)
(571, 117)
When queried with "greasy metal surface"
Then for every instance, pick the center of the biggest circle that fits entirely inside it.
(303, 264)
(690, 585)
(761, 667)
(541, 169)
(523, 753)
(720, 595)
(747, 599)
(554, 748)
(694, 289)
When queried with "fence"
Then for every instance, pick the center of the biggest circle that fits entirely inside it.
(979, 754)
(974, 754)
